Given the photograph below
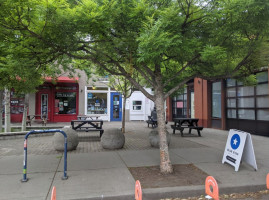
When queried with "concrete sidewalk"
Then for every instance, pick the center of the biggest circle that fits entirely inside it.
(95, 173)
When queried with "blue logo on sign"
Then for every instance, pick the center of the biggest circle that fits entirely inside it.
(235, 141)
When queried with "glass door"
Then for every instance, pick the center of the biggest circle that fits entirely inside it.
(44, 105)
(115, 108)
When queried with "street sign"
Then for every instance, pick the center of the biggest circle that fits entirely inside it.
(239, 147)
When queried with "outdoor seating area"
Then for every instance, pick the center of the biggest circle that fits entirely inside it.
(190, 123)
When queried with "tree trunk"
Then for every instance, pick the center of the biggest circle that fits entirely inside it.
(25, 109)
(1, 110)
(123, 116)
(7, 111)
(165, 163)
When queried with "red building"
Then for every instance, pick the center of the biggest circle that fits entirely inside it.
(226, 104)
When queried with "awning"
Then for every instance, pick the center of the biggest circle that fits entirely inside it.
(63, 79)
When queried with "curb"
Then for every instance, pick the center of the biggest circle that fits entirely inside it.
(180, 192)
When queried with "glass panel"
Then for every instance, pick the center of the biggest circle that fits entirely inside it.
(16, 110)
(245, 91)
(231, 103)
(65, 103)
(185, 101)
(263, 115)
(239, 83)
(137, 105)
(192, 105)
(246, 114)
(231, 113)
(44, 104)
(180, 97)
(137, 102)
(262, 89)
(262, 77)
(246, 102)
(96, 103)
(116, 107)
(216, 99)
(230, 82)
(262, 102)
(231, 92)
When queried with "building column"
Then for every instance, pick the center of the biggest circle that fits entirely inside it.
(202, 102)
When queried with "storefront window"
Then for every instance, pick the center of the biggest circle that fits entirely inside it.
(231, 113)
(245, 91)
(65, 103)
(262, 77)
(179, 105)
(263, 114)
(231, 103)
(230, 83)
(246, 114)
(246, 102)
(231, 92)
(263, 102)
(216, 100)
(16, 104)
(249, 102)
(137, 105)
(96, 103)
(262, 89)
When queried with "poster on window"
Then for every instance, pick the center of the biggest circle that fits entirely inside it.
(61, 106)
(90, 95)
(65, 103)
(180, 104)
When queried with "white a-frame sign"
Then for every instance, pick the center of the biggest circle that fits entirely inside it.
(239, 146)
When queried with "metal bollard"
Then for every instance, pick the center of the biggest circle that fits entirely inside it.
(25, 179)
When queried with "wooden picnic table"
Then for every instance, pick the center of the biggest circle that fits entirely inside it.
(191, 123)
(88, 125)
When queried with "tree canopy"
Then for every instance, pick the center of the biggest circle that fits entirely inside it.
(167, 42)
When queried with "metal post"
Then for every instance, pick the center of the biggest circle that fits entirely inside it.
(25, 179)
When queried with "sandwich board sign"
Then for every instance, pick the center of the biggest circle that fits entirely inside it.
(239, 147)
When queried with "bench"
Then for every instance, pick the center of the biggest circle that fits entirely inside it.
(88, 125)
(153, 123)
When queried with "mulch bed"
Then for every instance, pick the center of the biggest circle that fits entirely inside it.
(183, 175)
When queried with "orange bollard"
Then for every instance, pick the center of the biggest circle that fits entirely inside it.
(267, 181)
(211, 182)
(53, 193)
(138, 190)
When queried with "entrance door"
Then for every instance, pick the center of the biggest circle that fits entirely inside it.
(115, 108)
(44, 104)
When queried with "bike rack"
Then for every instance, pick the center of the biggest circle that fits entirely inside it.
(25, 179)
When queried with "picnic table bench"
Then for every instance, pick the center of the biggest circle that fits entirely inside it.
(182, 123)
(88, 125)
(152, 121)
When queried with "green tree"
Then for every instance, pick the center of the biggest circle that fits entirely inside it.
(170, 42)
